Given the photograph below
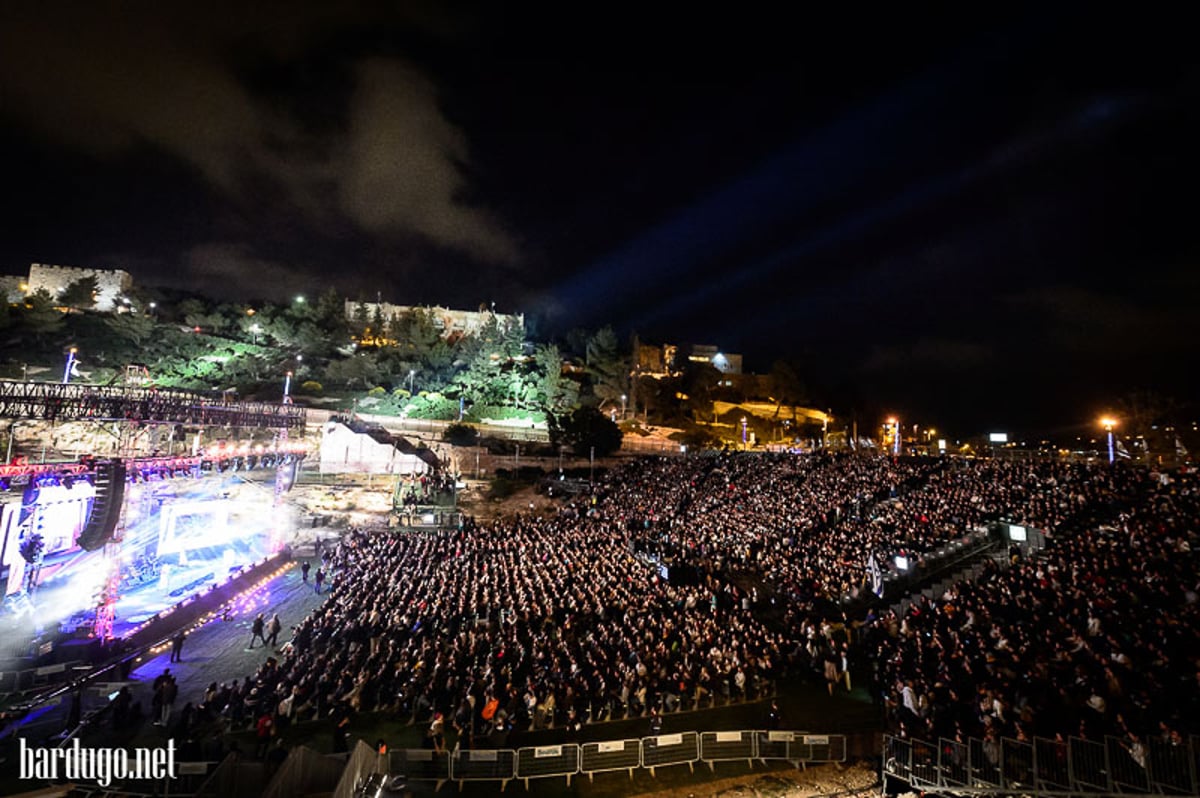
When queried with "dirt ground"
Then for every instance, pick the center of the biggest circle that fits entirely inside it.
(525, 500)
(849, 780)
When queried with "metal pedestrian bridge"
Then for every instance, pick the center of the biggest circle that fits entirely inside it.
(50, 401)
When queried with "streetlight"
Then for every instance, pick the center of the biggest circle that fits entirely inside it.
(153, 314)
(255, 329)
(1108, 423)
(894, 423)
(70, 365)
(411, 374)
(287, 389)
(743, 432)
(623, 399)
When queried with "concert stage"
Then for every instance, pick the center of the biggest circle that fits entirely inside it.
(185, 539)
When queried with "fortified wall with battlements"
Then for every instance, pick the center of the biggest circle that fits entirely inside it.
(450, 322)
(111, 284)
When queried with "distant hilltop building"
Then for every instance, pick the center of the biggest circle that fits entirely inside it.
(111, 284)
(663, 361)
(655, 361)
(452, 323)
(724, 362)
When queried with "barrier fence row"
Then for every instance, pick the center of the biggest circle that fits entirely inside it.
(567, 760)
(1116, 766)
(29, 678)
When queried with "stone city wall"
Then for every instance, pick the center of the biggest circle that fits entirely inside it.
(463, 322)
(110, 284)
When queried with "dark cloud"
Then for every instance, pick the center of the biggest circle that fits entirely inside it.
(400, 167)
(927, 355)
(170, 81)
(1074, 320)
(230, 270)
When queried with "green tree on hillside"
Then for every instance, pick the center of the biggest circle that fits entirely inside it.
(81, 294)
(331, 311)
(418, 338)
(786, 388)
(361, 318)
(558, 393)
(608, 370)
(698, 382)
(40, 316)
(586, 428)
(131, 327)
(492, 373)
(191, 307)
(358, 370)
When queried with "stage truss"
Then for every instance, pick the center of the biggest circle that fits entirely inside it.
(50, 401)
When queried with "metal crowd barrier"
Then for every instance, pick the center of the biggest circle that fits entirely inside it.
(664, 750)
(610, 755)
(484, 765)
(727, 746)
(670, 749)
(546, 761)
(806, 748)
(28, 679)
(799, 748)
(419, 764)
(1044, 767)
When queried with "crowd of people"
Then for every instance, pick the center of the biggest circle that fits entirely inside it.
(689, 582)
(1096, 637)
(554, 619)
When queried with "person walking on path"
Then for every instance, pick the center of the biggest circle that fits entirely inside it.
(256, 630)
(177, 646)
(273, 630)
(304, 569)
(320, 579)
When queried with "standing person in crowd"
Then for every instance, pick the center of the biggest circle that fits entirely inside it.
(304, 569)
(256, 630)
(273, 630)
(177, 646)
(264, 729)
(342, 714)
(774, 717)
(656, 723)
(832, 677)
(170, 691)
(437, 733)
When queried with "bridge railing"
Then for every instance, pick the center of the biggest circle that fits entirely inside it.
(77, 402)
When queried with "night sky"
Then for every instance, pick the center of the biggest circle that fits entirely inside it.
(981, 223)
